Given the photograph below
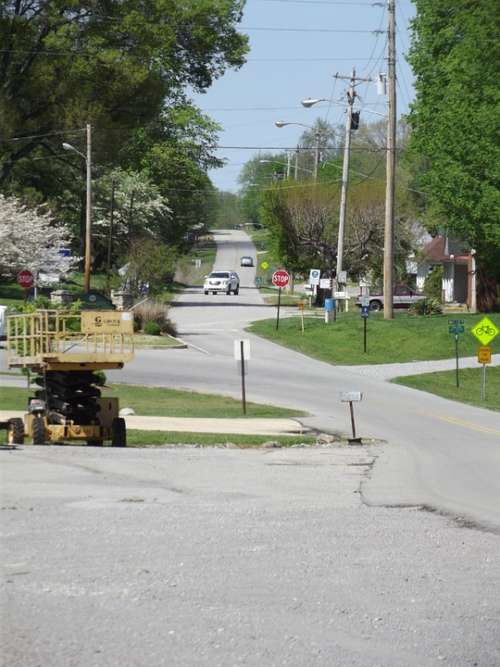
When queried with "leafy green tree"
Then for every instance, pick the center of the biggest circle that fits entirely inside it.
(112, 63)
(229, 210)
(455, 144)
(149, 264)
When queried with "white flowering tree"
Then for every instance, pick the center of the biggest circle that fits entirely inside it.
(31, 239)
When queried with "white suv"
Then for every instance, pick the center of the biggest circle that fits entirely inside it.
(222, 281)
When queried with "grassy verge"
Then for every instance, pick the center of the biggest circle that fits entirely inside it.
(141, 341)
(145, 438)
(161, 402)
(406, 338)
(444, 384)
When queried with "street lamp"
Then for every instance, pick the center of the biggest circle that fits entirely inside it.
(88, 206)
(282, 123)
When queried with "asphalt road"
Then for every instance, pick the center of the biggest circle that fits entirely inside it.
(176, 558)
(440, 454)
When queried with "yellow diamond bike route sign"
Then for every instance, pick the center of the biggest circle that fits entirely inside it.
(485, 331)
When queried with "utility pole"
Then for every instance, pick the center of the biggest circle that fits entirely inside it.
(351, 96)
(316, 154)
(391, 166)
(110, 235)
(88, 212)
(288, 165)
(296, 174)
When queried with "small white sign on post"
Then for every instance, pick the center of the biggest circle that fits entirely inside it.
(325, 283)
(350, 396)
(342, 277)
(340, 295)
(246, 350)
(314, 276)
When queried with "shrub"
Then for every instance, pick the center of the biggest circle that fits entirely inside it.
(152, 328)
(426, 307)
(100, 378)
(153, 311)
(433, 285)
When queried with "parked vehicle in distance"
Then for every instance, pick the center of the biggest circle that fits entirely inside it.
(403, 297)
(246, 261)
(222, 281)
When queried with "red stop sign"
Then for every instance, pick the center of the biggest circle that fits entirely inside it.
(280, 278)
(25, 279)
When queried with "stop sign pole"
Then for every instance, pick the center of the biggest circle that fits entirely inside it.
(280, 279)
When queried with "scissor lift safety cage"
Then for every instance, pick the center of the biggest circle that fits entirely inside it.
(64, 349)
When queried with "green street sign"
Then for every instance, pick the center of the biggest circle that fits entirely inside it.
(456, 329)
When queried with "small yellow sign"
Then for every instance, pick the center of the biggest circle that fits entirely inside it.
(301, 305)
(485, 331)
(484, 355)
(264, 265)
(107, 322)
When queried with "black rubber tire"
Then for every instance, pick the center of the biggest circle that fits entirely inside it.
(38, 431)
(118, 432)
(376, 305)
(95, 443)
(15, 435)
(205, 292)
(228, 293)
(236, 291)
(214, 293)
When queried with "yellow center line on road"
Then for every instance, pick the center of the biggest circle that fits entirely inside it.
(465, 424)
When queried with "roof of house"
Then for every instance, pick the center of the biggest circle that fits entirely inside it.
(438, 249)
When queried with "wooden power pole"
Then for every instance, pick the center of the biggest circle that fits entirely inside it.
(351, 96)
(391, 166)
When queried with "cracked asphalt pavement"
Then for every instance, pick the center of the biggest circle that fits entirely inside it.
(194, 556)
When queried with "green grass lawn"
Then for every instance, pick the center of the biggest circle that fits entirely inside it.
(161, 402)
(144, 438)
(444, 384)
(406, 338)
(11, 294)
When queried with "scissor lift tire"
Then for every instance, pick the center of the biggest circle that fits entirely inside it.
(38, 431)
(16, 431)
(118, 432)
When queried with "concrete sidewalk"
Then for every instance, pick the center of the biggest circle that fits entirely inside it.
(242, 426)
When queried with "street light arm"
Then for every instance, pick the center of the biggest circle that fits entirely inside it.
(69, 147)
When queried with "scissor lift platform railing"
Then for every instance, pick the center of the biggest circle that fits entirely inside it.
(62, 340)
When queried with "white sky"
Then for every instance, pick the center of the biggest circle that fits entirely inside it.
(284, 67)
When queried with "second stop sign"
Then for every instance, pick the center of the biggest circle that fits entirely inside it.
(280, 278)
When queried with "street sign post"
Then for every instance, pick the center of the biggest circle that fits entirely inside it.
(301, 305)
(484, 357)
(456, 327)
(485, 331)
(280, 279)
(242, 354)
(365, 314)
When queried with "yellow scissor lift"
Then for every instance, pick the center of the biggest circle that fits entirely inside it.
(64, 350)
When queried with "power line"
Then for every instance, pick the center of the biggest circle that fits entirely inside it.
(323, 30)
(320, 2)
